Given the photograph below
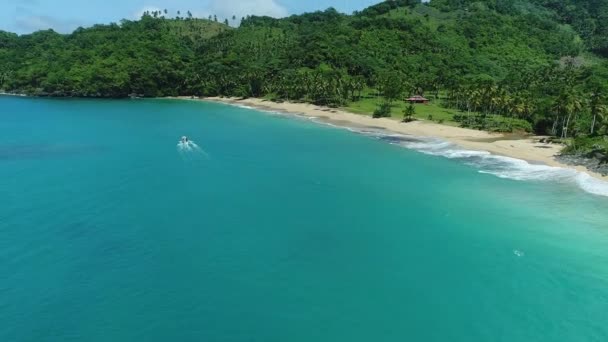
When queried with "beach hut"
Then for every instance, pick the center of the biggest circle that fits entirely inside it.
(418, 99)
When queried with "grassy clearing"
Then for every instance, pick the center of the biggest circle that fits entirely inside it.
(438, 114)
(195, 29)
(426, 14)
(368, 104)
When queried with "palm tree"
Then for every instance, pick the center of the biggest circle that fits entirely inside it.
(358, 86)
(596, 101)
(602, 112)
(557, 108)
(518, 108)
(571, 105)
(5, 77)
(408, 113)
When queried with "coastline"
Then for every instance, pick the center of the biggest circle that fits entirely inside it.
(529, 149)
(12, 94)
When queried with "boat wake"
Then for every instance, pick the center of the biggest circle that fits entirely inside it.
(188, 149)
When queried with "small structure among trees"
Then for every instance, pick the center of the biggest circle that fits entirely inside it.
(418, 99)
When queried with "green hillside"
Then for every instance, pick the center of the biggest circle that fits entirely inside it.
(148, 56)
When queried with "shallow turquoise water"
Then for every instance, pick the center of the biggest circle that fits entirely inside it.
(287, 230)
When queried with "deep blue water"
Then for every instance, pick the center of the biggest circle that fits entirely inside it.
(280, 229)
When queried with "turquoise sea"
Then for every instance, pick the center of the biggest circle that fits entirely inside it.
(283, 229)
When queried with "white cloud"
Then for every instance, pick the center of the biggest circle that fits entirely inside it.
(26, 20)
(241, 8)
(30, 23)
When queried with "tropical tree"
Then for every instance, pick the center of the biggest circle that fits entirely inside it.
(383, 110)
(569, 103)
(409, 112)
(596, 105)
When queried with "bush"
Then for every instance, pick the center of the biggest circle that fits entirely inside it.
(408, 113)
(493, 123)
(383, 111)
(585, 145)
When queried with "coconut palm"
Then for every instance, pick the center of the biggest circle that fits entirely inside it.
(596, 105)
(602, 113)
(571, 104)
(408, 113)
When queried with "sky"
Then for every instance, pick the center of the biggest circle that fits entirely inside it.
(26, 16)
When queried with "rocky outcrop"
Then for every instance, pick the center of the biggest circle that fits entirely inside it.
(596, 160)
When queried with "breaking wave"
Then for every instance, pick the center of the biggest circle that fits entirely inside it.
(488, 163)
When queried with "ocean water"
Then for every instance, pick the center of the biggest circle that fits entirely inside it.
(283, 229)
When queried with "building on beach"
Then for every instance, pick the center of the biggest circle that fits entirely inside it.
(418, 99)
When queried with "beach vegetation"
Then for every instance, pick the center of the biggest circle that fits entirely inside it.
(383, 110)
(409, 112)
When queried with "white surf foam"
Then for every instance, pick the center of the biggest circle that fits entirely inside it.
(506, 167)
(592, 185)
(488, 163)
(244, 106)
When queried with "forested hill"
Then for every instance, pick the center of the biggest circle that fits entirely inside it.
(429, 46)
(149, 56)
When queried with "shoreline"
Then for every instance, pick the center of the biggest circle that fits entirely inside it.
(12, 94)
(529, 149)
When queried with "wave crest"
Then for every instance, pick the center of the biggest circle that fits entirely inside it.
(499, 166)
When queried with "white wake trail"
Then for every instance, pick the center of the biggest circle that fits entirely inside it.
(189, 150)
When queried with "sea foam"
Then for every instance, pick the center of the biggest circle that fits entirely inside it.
(488, 163)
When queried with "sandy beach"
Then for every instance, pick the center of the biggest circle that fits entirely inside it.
(529, 149)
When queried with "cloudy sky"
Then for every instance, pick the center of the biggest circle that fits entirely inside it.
(24, 16)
